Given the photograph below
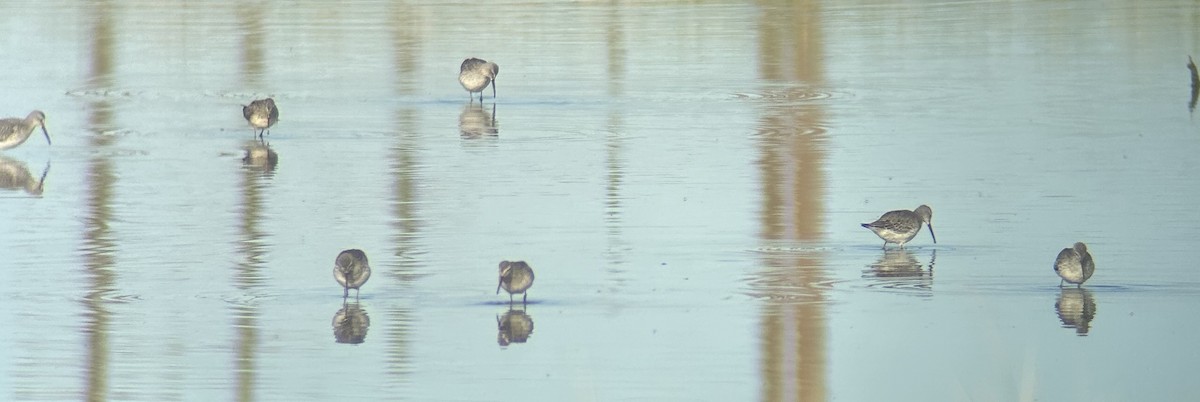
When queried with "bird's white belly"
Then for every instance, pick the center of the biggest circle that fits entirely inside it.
(474, 82)
(895, 236)
(259, 121)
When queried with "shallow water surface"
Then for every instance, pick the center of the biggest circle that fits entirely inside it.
(687, 183)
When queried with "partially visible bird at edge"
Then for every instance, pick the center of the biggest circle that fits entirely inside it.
(14, 131)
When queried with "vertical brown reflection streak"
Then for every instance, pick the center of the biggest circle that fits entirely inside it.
(408, 227)
(247, 275)
(250, 24)
(406, 42)
(615, 44)
(792, 154)
(613, 162)
(99, 245)
(407, 38)
(614, 165)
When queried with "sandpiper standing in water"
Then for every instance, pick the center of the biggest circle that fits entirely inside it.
(901, 226)
(14, 131)
(1074, 265)
(261, 114)
(476, 74)
(515, 277)
(351, 271)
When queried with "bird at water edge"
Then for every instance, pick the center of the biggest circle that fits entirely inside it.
(902, 225)
(515, 277)
(261, 114)
(476, 74)
(351, 270)
(1074, 265)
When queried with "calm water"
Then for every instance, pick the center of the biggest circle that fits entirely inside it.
(687, 182)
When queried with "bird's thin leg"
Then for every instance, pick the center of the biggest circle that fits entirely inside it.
(1060, 282)
(524, 296)
(345, 293)
(1079, 285)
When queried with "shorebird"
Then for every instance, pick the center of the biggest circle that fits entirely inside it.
(14, 131)
(1074, 265)
(351, 271)
(476, 74)
(901, 226)
(515, 277)
(261, 114)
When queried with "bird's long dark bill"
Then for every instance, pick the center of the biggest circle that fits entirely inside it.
(498, 286)
(931, 234)
(493, 88)
(46, 134)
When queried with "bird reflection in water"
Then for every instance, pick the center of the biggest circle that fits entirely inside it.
(476, 122)
(1195, 84)
(350, 324)
(14, 175)
(899, 268)
(259, 156)
(1076, 308)
(514, 327)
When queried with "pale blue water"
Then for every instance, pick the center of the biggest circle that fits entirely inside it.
(686, 181)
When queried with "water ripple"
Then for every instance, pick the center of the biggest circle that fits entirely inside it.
(786, 95)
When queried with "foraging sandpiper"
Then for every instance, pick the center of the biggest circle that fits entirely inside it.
(14, 131)
(476, 74)
(261, 114)
(901, 226)
(351, 271)
(1074, 265)
(515, 277)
